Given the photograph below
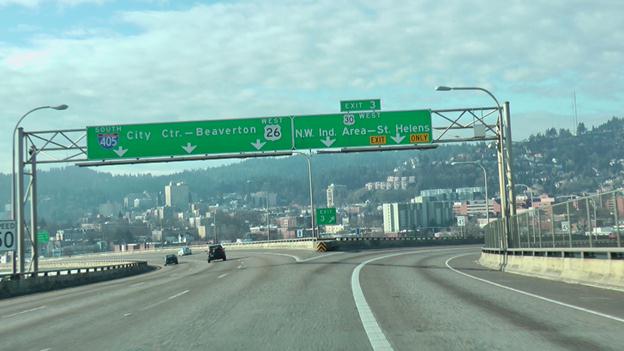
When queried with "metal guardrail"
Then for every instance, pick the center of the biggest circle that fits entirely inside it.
(70, 271)
(590, 221)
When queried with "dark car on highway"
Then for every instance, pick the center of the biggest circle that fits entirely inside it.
(171, 259)
(216, 252)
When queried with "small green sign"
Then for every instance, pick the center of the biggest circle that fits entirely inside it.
(325, 216)
(43, 237)
(360, 105)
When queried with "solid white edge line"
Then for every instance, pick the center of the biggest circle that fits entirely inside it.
(278, 254)
(178, 294)
(375, 335)
(578, 308)
(321, 256)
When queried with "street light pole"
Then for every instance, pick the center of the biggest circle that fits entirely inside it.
(312, 214)
(214, 225)
(13, 182)
(268, 226)
(485, 182)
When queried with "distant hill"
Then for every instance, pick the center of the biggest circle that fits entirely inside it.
(556, 161)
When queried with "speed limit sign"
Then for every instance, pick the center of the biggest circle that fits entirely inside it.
(7, 236)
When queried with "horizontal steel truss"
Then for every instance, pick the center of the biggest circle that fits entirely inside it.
(70, 145)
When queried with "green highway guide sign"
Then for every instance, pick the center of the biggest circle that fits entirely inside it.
(357, 129)
(189, 138)
(43, 237)
(265, 134)
(325, 216)
(360, 105)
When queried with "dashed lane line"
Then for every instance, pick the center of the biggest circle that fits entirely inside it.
(177, 295)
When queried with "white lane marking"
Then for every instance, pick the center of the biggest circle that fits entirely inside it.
(578, 308)
(321, 256)
(178, 295)
(127, 314)
(375, 335)
(222, 275)
(280, 254)
(25, 311)
(153, 305)
(48, 349)
(138, 284)
(296, 258)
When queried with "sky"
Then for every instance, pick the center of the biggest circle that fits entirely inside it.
(116, 62)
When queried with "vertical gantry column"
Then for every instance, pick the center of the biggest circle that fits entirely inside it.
(511, 198)
(19, 200)
(33, 209)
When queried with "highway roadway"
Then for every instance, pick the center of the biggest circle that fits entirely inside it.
(411, 299)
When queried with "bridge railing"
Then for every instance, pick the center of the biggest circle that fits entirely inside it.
(74, 270)
(590, 221)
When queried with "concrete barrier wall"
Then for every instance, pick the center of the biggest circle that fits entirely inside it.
(347, 244)
(305, 245)
(383, 243)
(607, 273)
(68, 278)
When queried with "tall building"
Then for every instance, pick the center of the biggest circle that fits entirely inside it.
(262, 199)
(336, 195)
(420, 213)
(177, 196)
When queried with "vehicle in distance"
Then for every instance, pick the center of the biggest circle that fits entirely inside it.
(171, 259)
(184, 251)
(216, 252)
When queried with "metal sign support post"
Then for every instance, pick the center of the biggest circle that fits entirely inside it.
(19, 199)
(33, 208)
(501, 181)
(511, 198)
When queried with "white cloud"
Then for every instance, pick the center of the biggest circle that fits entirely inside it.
(25, 3)
(252, 58)
(36, 3)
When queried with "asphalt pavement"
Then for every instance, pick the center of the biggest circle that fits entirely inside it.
(410, 299)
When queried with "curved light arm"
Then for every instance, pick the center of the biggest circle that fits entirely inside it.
(445, 88)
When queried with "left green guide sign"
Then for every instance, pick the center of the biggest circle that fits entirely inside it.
(189, 138)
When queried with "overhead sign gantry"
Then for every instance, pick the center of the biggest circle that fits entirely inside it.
(360, 126)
